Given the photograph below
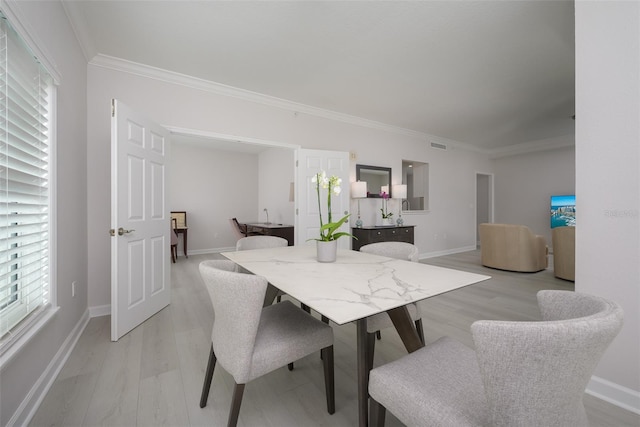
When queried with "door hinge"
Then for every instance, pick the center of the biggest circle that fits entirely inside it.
(113, 108)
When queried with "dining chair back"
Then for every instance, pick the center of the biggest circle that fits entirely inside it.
(250, 341)
(521, 373)
(539, 370)
(260, 242)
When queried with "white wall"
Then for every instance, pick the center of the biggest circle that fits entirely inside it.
(212, 186)
(524, 184)
(25, 377)
(453, 180)
(608, 178)
(276, 172)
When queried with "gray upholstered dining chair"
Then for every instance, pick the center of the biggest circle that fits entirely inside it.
(521, 373)
(250, 341)
(377, 322)
(260, 242)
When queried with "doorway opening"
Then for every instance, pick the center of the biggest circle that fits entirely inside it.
(484, 201)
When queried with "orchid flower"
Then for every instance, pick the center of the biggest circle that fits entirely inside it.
(332, 184)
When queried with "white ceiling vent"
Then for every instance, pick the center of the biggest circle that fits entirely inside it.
(438, 146)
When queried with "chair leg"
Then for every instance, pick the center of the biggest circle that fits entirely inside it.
(329, 383)
(420, 330)
(236, 401)
(371, 347)
(377, 413)
(208, 376)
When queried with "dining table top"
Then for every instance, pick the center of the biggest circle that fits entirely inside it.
(356, 285)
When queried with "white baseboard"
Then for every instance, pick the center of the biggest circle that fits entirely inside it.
(447, 252)
(100, 310)
(32, 401)
(615, 394)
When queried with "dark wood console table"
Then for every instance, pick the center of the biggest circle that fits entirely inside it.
(389, 233)
(272, 229)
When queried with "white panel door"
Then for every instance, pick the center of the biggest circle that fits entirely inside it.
(309, 163)
(140, 279)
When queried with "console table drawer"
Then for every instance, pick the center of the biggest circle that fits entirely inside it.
(367, 235)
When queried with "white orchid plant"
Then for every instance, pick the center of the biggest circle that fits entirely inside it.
(332, 184)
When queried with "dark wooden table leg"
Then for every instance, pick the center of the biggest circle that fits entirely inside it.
(407, 331)
(185, 243)
(363, 374)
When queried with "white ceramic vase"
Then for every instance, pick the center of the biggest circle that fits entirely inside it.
(326, 251)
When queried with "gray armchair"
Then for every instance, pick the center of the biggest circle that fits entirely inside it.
(250, 341)
(522, 373)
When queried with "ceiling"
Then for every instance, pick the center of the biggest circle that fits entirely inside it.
(492, 74)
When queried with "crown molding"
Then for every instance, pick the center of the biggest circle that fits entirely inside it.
(122, 65)
(118, 64)
(554, 143)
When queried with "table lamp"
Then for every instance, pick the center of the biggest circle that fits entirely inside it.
(359, 191)
(400, 192)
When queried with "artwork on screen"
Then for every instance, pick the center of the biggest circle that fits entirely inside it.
(563, 211)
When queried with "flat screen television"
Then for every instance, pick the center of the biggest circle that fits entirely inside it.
(563, 211)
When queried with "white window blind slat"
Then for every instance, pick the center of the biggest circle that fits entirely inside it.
(24, 182)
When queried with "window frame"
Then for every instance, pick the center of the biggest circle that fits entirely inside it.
(29, 327)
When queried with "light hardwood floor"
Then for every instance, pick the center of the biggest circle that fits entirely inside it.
(153, 375)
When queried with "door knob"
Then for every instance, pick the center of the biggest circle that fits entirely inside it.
(122, 231)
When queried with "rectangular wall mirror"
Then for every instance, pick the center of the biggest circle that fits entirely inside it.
(376, 177)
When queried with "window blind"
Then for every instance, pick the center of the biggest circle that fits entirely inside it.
(24, 182)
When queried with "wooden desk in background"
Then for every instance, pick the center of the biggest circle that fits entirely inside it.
(272, 229)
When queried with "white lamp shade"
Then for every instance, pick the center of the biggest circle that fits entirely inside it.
(400, 191)
(358, 190)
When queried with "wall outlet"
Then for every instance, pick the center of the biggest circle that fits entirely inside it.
(73, 288)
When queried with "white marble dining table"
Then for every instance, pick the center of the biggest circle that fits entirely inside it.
(357, 285)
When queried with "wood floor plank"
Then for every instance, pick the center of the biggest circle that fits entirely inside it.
(115, 399)
(161, 400)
